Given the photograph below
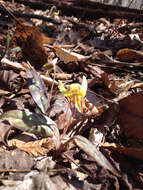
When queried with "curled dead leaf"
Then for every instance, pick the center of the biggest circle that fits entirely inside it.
(129, 55)
(34, 148)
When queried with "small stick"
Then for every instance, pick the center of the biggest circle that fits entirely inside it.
(13, 18)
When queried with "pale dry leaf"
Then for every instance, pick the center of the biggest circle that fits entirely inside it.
(35, 148)
(67, 56)
(138, 85)
(4, 92)
(11, 64)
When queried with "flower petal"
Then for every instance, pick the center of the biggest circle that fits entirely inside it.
(84, 86)
(78, 103)
(63, 89)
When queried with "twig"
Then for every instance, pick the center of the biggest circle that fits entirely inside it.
(15, 14)
(40, 17)
(18, 66)
(15, 170)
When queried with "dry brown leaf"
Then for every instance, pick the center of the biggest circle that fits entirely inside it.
(4, 131)
(67, 56)
(10, 80)
(136, 153)
(15, 160)
(96, 154)
(131, 116)
(129, 55)
(31, 41)
(111, 85)
(117, 86)
(34, 148)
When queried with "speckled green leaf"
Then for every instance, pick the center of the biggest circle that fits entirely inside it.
(33, 123)
(37, 89)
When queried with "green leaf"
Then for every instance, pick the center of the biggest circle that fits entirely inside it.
(33, 123)
(16, 49)
(37, 89)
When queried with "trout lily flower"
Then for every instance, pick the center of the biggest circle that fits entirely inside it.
(75, 93)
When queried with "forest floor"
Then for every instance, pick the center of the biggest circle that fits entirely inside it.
(71, 100)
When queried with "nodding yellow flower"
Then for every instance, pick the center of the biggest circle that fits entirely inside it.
(75, 93)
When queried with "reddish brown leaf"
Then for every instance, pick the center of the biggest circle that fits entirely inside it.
(133, 152)
(131, 115)
(129, 55)
(31, 41)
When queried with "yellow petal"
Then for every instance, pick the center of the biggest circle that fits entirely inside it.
(75, 89)
(62, 88)
(75, 93)
(78, 103)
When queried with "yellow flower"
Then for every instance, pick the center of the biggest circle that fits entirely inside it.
(75, 93)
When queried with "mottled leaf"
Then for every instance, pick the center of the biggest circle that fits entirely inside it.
(37, 89)
(33, 123)
(92, 151)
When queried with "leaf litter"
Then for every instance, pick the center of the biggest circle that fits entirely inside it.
(73, 121)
